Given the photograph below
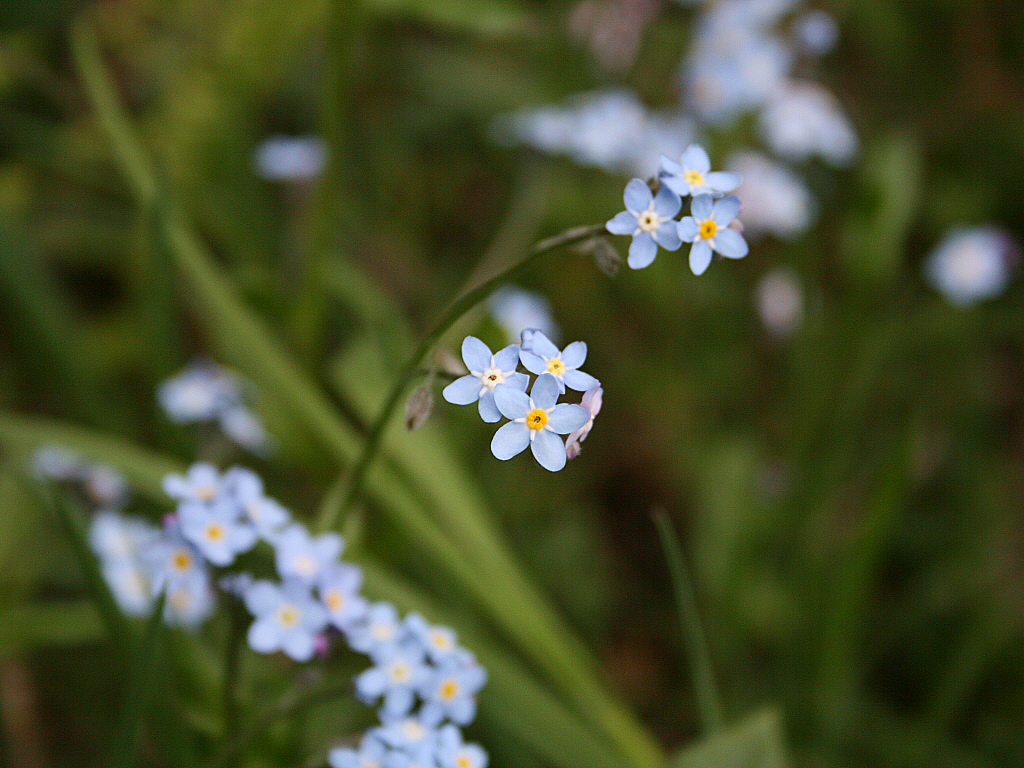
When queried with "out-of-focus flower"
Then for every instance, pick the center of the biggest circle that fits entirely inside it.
(266, 515)
(536, 421)
(338, 588)
(649, 219)
(291, 158)
(201, 482)
(971, 264)
(118, 543)
(399, 671)
(545, 357)
(379, 628)
(780, 301)
(287, 618)
(486, 371)
(453, 752)
(774, 199)
(804, 119)
(57, 463)
(708, 229)
(692, 175)
(449, 691)
(304, 557)
(515, 309)
(592, 403)
(216, 530)
(816, 31)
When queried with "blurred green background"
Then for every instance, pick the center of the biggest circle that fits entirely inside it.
(849, 497)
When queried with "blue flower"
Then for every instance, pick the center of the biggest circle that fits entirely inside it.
(450, 691)
(692, 175)
(378, 629)
(707, 228)
(216, 530)
(303, 556)
(201, 482)
(372, 753)
(399, 671)
(539, 356)
(486, 371)
(438, 641)
(649, 219)
(287, 618)
(536, 421)
(338, 587)
(265, 514)
(452, 752)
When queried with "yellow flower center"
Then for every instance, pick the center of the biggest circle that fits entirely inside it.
(449, 689)
(214, 532)
(288, 616)
(181, 560)
(708, 228)
(206, 492)
(463, 761)
(440, 641)
(648, 221)
(694, 178)
(400, 672)
(536, 419)
(335, 600)
(556, 366)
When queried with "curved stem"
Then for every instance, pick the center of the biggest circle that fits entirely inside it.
(357, 474)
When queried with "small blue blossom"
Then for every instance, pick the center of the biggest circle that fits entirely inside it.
(216, 530)
(265, 514)
(486, 371)
(438, 641)
(412, 737)
(544, 357)
(377, 630)
(536, 421)
(450, 691)
(708, 230)
(338, 588)
(399, 671)
(287, 618)
(971, 264)
(453, 752)
(201, 482)
(372, 753)
(692, 175)
(649, 219)
(305, 557)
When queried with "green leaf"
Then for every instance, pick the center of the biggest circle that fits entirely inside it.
(24, 627)
(757, 742)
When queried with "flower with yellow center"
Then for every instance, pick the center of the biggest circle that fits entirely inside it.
(708, 229)
(287, 618)
(650, 219)
(486, 371)
(216, 530)
(692, 175)
(544, 357)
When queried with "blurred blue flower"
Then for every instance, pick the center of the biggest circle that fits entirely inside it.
(453, 752)
(649, 219)
(971, 264)
(399, 671)
(692, 175)
(449, 691)
(287, 618)
(216, 530)
(338, 588)
(304, 557)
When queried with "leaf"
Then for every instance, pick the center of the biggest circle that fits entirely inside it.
(58, 623)
(757, 742)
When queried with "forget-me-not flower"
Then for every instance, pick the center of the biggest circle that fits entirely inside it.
(708, 229)
(305, 557)
(378, 629)
(338, 587)
(265, 514)
(486, 371)
(591, 402)
(971, 264)
(540, 356)
(536, 421)
(692, 175)
(287, 618)
(453, 752)
(201, 482)
(649, 219)
(450, 691)
(216, 530)
(399, 671)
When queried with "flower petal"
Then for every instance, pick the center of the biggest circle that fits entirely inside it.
(578, 380)
(567, 417)
(462, 391)
(508, 358)
(642, 251)
(637, 196)
(667, 203)
(512, 403)
(548, 450)
(510, 440)
(696, 159)
(677, 185)
(476, 354)
(532, 362)
(624, 223)
(731, 244)
(671, 167)
(688, 229)
(725, 210)
(298, 646)
(264, 636)
(575, 354)
(700, 257)
(701, 207)
(545, 391)
(518, 381)
(723, 181)
(488, 410)
(542, 345)
(667, 236)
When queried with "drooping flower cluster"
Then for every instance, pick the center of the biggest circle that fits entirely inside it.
(650, 218)
(204, 391)
(425, 682)
(535, 419)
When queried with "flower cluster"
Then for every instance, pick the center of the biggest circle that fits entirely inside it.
(535, 418)
(204, 391)
(424, 681)
(711, 227)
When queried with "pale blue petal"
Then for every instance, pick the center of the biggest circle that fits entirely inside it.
(264, 637)
(262, 597)
(532, 362)
(696, 159)
(700, 257)
(642, 251)
(723, 181)
(667, 236)
(545, 391)
(512, 403)
(667, 203)
(518, 381)
(578, 380)
(476, 354)
(508, 358)
(298, 646)
(488, 410)
(370, 684)
(462, 391)
(670, 166)
(677, 185)
(568, 417)
(575, 354)
(725, 210)
(542, 346)
(701, 207)
(637, 196)
(688, 229)
(730, 244)
(549, 450)
(510, 440)
(624, 223)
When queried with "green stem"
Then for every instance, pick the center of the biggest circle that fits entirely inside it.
(709, 702)
(357, 475)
